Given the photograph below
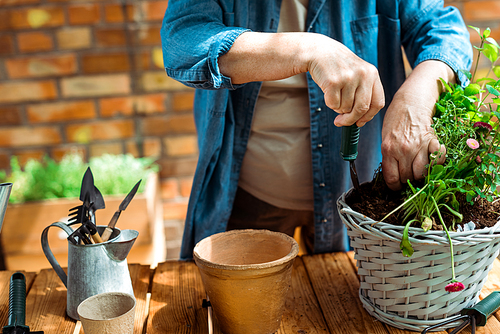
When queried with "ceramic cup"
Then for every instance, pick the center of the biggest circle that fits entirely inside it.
(108, 313)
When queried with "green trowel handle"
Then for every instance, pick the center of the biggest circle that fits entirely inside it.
(349, 143)
(17, 304)
(484, 308)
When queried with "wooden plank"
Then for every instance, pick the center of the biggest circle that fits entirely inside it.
(4, 293)
(177, 293)
(336, 285)
(140, 275)
(46, 305)
(302, 312)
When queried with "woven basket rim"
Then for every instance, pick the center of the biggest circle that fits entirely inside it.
(416, 234)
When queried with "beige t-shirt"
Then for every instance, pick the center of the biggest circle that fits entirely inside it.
(277, 164)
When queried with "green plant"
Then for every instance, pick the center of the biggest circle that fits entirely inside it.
(47, 179)
(466, 122)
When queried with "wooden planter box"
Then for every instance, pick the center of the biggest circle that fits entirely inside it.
(23, 225)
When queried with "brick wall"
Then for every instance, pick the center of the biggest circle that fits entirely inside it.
(87, 76)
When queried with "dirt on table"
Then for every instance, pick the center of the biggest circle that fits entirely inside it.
(376, 200)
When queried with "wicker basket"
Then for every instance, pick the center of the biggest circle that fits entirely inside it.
(408, 292)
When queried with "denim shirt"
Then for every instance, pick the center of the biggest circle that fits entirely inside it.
(195, 33)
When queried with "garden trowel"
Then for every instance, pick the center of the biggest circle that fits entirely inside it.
(17, 306)
(92, 200)
(123, 205)
(349, 150)
(473, 316)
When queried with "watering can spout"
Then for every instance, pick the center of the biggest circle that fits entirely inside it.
(4, 199)
(119, 249)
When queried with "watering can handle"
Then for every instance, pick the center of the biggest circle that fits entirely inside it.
(48, 253)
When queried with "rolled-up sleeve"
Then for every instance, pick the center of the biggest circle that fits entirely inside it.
(436, 32)
(193, 38)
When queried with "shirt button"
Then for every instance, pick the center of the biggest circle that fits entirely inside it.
(318, 109)
(320, 145)
(321, 184)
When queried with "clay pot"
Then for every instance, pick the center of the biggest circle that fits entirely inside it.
(247, 276)
(108, 313)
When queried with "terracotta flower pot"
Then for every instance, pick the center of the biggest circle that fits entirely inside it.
(247, 275)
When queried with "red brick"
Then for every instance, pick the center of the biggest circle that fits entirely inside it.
(186, 184)
(27, 155)
(481, 10)
(169, 188)
(29, 136)
(110, 37)
(113, 13)
(144, 104)
(143, 60)
(28, 18)
(177, 167)
(153, 10)
(27, 91)
(151, 147)
(159, 126)
(183, 101)
(19, 2)
(41, 66)
(4, 161)
(61, 111)
(35, 41)
(6, 45)
(157, 57)
(159, 81)
(99, 85)
(179, 146)
(10, 115)
(84, 14)
(84, 133)
(97, 150)
(60, 151)
(148, 35)
(105, 63)
(175, 210)
(74, 38)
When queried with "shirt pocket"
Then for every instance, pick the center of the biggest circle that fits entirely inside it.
(376, 36)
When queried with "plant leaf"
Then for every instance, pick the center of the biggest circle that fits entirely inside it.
(405, 244)
(496, 70)
(491, 52)
(448, 88)
(466, 73)
(492, 41)
(492, 90)
(472, 89)
(486, 33)
(476, 29)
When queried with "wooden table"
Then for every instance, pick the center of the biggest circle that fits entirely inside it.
(324, 299)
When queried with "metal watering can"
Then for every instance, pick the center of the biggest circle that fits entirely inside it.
(4, 199)
(94, 268)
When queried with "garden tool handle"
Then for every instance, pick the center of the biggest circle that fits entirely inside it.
(484, 308)
(349, 142)
(17, 302)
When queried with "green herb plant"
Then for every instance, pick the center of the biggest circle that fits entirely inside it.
(466, 122)
(48, 179)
